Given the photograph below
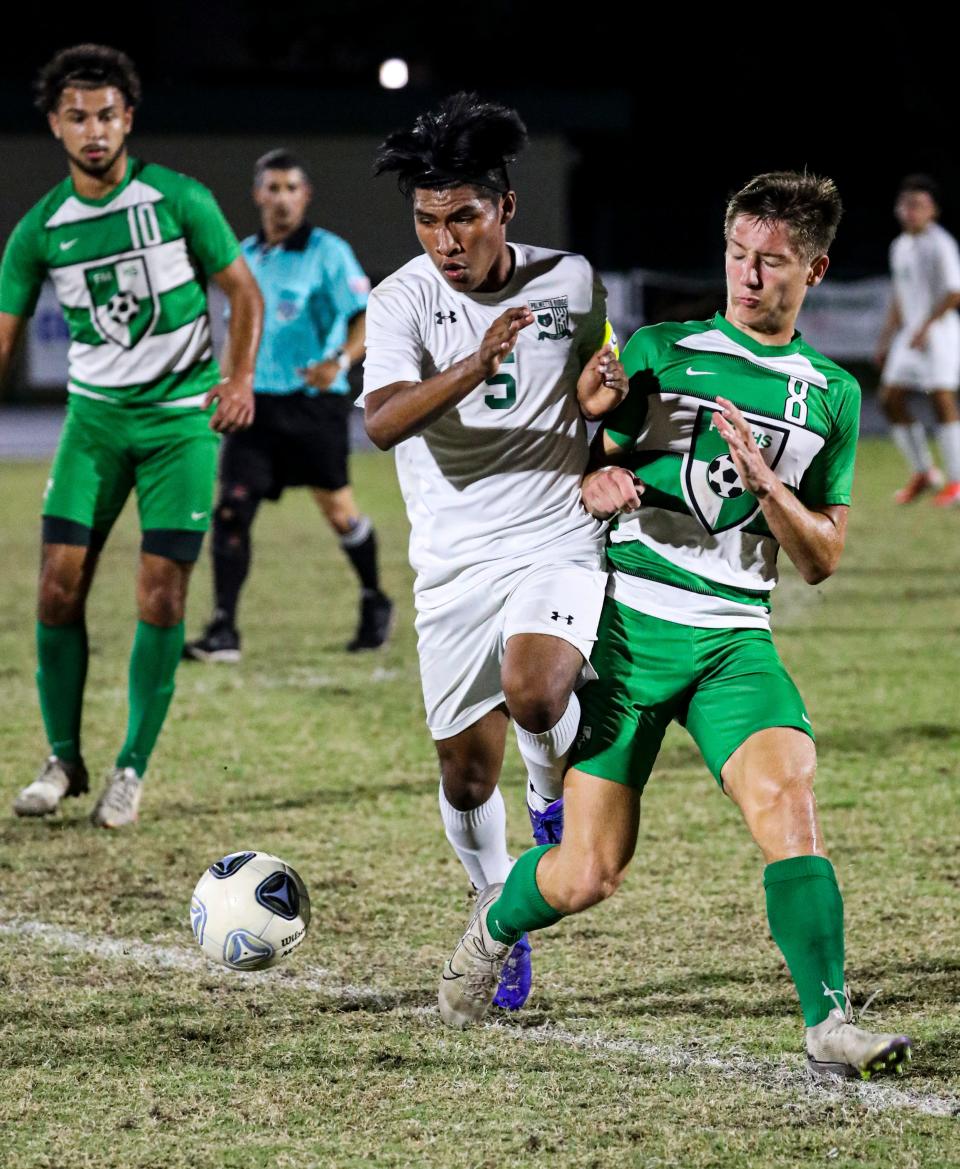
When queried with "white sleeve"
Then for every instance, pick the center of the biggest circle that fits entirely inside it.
(595, 330)
(949, 257)
(394, 344)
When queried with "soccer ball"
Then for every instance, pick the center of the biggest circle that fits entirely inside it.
(249, 910)
(723, 478)
(122, 307)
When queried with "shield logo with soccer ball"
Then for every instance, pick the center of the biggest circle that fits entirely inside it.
(711, 485)
(123, 305)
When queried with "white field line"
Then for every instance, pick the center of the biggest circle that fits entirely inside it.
(673, 1060)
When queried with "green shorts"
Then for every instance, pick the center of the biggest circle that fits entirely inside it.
(168, 454)
(723, 685)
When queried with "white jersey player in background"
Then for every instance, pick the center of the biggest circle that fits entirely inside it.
(920, 344)
(483, 360)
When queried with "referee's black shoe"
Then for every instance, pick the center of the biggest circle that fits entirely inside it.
(376, 621)
(220, 643)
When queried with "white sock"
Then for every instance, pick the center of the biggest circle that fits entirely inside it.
(911, 441)
(479, 838)
(545, 756)
(948, 439)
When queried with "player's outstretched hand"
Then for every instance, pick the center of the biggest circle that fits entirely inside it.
(610, 491)
(501, 337)
(751, 466)
(234, 398)
(602, 384)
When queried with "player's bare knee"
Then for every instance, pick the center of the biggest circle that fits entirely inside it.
(60, 600)
(535, 703)
(161, 600)
(342, 520)
(467, 784)
(893, 402)
(776, 793)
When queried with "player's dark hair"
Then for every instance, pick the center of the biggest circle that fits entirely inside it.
(279, 159)
(924, 183)
(464, 141)
(86, 67)
(808, 204)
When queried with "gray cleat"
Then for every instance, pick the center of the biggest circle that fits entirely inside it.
(837, 1047)
(119, 800)
(471, 976)
(56, 780)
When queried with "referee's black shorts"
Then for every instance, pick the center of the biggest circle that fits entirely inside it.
(296, 440)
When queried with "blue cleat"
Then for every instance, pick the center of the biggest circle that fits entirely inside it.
(548, 824)
(515, 978)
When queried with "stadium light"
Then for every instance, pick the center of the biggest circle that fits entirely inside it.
(394, 73)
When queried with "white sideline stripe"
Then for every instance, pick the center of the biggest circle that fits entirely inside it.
(732, 1065)
(175, 958)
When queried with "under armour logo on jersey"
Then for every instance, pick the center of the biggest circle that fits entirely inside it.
(555, 616)
(441, 318)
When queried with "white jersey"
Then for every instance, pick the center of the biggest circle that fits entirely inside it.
(495, 479)
(925, 268)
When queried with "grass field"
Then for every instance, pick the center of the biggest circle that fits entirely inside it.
(662, 1030)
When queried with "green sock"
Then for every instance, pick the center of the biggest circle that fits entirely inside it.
(521, 905)
(805, 912)
(61, 673)
(153, 663)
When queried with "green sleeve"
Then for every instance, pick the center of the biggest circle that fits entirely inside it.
(209, 237)
(624, 424)
(829, 478)
(22, 272)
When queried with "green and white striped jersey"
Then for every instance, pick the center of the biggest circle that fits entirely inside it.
(130, 272)
(699, 551)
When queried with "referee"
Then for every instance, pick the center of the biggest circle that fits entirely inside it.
(315, 297)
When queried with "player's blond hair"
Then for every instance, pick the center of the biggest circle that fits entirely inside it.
(809, 205)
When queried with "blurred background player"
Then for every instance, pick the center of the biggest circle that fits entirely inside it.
(685, 631)
(483, 358)
(120, 239)
(315, 296)
(920, 345)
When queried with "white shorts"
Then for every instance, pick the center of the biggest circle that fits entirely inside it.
(461, 643)
(935, 367)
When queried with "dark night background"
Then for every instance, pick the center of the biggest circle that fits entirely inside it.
(666, 113)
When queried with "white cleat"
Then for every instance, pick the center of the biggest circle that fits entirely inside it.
(837, 1047)
(472, 974)
(119, 801)
(55, 781)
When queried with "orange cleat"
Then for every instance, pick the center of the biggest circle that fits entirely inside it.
(948, 496)
(919, 483)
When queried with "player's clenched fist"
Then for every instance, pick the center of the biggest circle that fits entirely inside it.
(610, 491)
(501, 337)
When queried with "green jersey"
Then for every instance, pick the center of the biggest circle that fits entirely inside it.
(699, 551)
(130, 272)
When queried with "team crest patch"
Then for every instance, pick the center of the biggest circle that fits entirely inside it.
(711, 485)
(123, 305)
(552, 318)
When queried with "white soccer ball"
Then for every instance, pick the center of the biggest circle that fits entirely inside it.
(122, 307)
(723, 478)
(249, 910)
